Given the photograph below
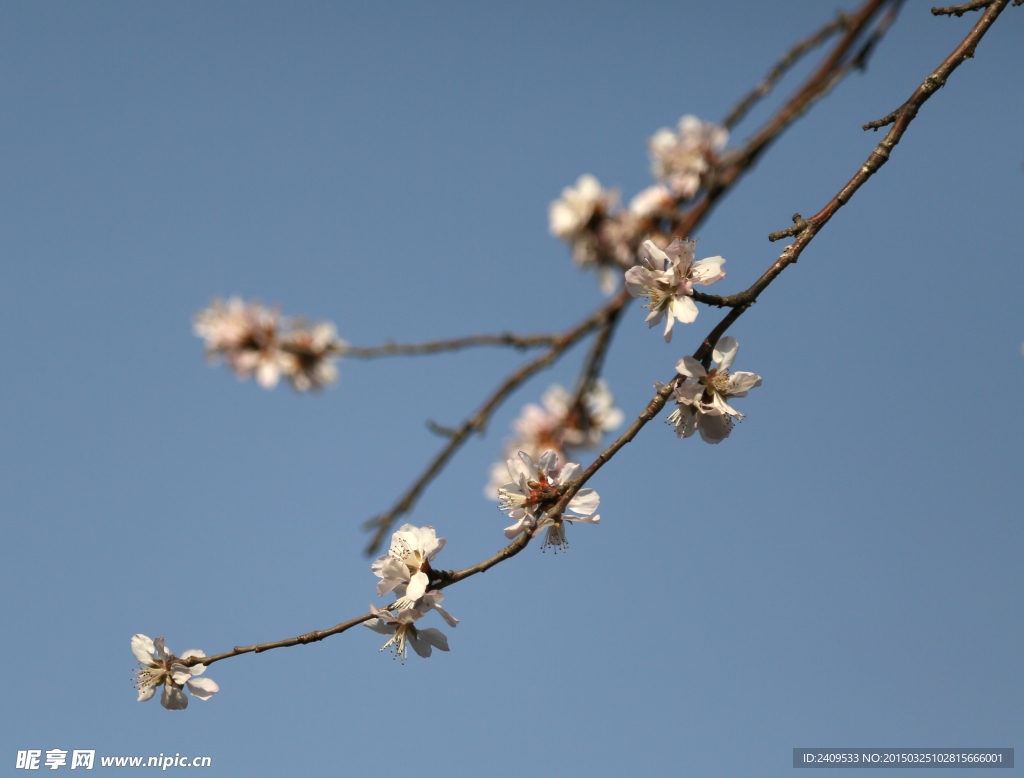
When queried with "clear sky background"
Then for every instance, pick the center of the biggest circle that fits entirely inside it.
(845, 570)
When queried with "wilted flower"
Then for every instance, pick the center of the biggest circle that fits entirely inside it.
(703, 396)
(666, 279)
(159, 667)
(682, 158)
(404, 634)
(536, 487)
(405, 569)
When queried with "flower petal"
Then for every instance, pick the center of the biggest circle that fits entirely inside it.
(179, 673)
(707, 271)
(654, 256)
(417, 586)
(684, 309)
(146, 693)
(690, 367)
(715, 429)
(435, 638)
(725, 352)
(203, 688)
(585, 502)
(143, 649)
(743, 382)
(174, 697)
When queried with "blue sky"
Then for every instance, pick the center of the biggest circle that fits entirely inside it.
(843, 571)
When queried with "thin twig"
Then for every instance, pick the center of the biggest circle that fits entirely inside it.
(779, 69)
(835, 65)
(833, 68)
(960, 10)
(433, 346)
(382, 524)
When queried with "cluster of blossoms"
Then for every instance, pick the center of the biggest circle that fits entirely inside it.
(159, 667)
(534, 489)
(666, 279)
(556, 425)
(681, 158)
(603, 235)
(405, 570)
(256, 341)
(702, 396)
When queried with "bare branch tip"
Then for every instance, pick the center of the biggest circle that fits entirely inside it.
(960, 10)
(799, 225)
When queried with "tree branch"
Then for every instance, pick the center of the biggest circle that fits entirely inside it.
(389, 348)
(779, 69)
(878, 157)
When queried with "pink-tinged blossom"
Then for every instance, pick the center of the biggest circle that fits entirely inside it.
(404, 634)
(555, 424)
(405, 569)
(536, 487)
(255, 341)
(246, 337)
(703, 396)
(159, 667)
(666, 279)
(681, 158)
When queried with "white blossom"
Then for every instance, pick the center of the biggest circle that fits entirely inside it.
(159, 667)
(652, 202)
(555, 424)
(404, 634)
(586, 216)
(310, 356)
(666, 279)
(536, 487)
(405, 569)
(680, 158)
(702, 397)
(245, 336)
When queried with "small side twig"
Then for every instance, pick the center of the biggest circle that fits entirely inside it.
(778, 70)
(382, 523)
(799, 225)
(960, 10)
(391, 349)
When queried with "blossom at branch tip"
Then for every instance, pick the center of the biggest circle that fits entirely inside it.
(681, 158)
(666, 279)
(404, 634)
(405, 569)
(159, 667)
(536, 487)
(702, 397)
(587, 217)
(255, 341)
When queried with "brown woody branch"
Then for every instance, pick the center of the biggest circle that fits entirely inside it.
(382, 523)
(835, 66)
(790, 255)
(779, 69)
(390, 349)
